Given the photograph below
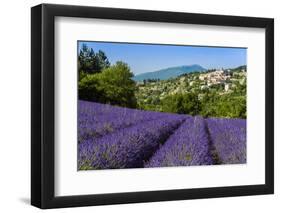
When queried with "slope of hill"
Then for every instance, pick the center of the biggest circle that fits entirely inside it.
(171, 72)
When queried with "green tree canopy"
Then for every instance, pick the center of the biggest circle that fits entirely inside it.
(113, 86)
(182, 103)
(230, 105)
(88, 87)
(117, 85)
(90, 62)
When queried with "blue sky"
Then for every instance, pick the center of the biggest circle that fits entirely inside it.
(149, 57)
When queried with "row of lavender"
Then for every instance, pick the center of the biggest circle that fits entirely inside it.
(116, 137)
(228, 137)
(96, 120)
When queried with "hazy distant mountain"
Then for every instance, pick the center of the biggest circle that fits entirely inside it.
(171, 72)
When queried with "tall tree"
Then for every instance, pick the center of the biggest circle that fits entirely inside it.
(90, 62)
(119, 88)
(102, 60)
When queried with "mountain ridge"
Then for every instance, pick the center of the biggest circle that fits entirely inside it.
(170, 72)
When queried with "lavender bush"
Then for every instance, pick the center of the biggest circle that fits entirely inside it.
(94, 121)
(229, 139)
(188, 145)
(111, 137)
(128, 147)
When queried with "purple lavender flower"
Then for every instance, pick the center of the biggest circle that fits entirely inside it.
(128, 147)
(118, 137)
(228, 137)
(94, 121)
(188, 146)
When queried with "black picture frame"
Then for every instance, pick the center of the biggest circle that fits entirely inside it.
(43, 117)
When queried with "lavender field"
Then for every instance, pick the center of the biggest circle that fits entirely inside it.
(111, 137)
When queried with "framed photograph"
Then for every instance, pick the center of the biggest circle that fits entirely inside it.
(139, 106)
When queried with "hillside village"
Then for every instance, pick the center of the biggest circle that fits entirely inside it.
(219, 81)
